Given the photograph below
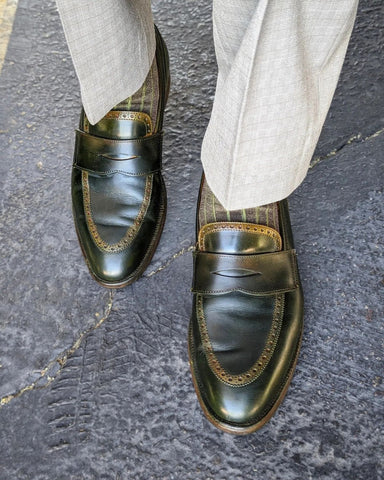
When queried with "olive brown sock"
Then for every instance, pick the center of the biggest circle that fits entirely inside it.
(212, 211)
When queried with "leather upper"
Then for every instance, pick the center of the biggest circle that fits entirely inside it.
(257, 274)
(132, 157)
(247, 320)
(118, 192)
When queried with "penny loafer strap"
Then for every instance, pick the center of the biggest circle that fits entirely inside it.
(133, 157)
(258, 274)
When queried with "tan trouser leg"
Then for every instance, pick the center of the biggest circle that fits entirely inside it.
(279, 62)
(112, 44)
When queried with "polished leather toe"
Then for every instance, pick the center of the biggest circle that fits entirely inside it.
(241, 408)
(247, 321)
(119, 234)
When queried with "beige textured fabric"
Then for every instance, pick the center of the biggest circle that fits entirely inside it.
(112, 44)
(279, 62)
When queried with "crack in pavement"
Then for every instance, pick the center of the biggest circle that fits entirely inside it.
(54, 367)
(358, 138)
(178, 254)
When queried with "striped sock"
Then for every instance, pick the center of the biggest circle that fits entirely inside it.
(212, 211)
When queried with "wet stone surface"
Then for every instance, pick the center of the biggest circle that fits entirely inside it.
(117, 401)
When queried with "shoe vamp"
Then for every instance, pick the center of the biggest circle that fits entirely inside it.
(115, 204)
(238, 326)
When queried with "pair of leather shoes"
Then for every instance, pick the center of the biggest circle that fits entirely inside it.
(247, 319)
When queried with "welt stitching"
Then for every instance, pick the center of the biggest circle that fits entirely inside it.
(108, 172)
(265, 292)
(150, 138)
(226, 255)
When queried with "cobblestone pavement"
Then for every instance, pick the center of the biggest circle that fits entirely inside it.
(96, 385)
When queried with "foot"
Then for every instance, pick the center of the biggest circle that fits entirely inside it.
(118, 192)
(247, 319)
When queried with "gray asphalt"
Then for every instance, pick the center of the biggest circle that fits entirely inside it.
(95, 385)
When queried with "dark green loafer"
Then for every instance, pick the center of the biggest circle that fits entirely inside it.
(247, 321)
(118, 192)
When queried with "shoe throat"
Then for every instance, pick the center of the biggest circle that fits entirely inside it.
(238, 238)
(121, 125)
(212, 211)
(134, 117)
